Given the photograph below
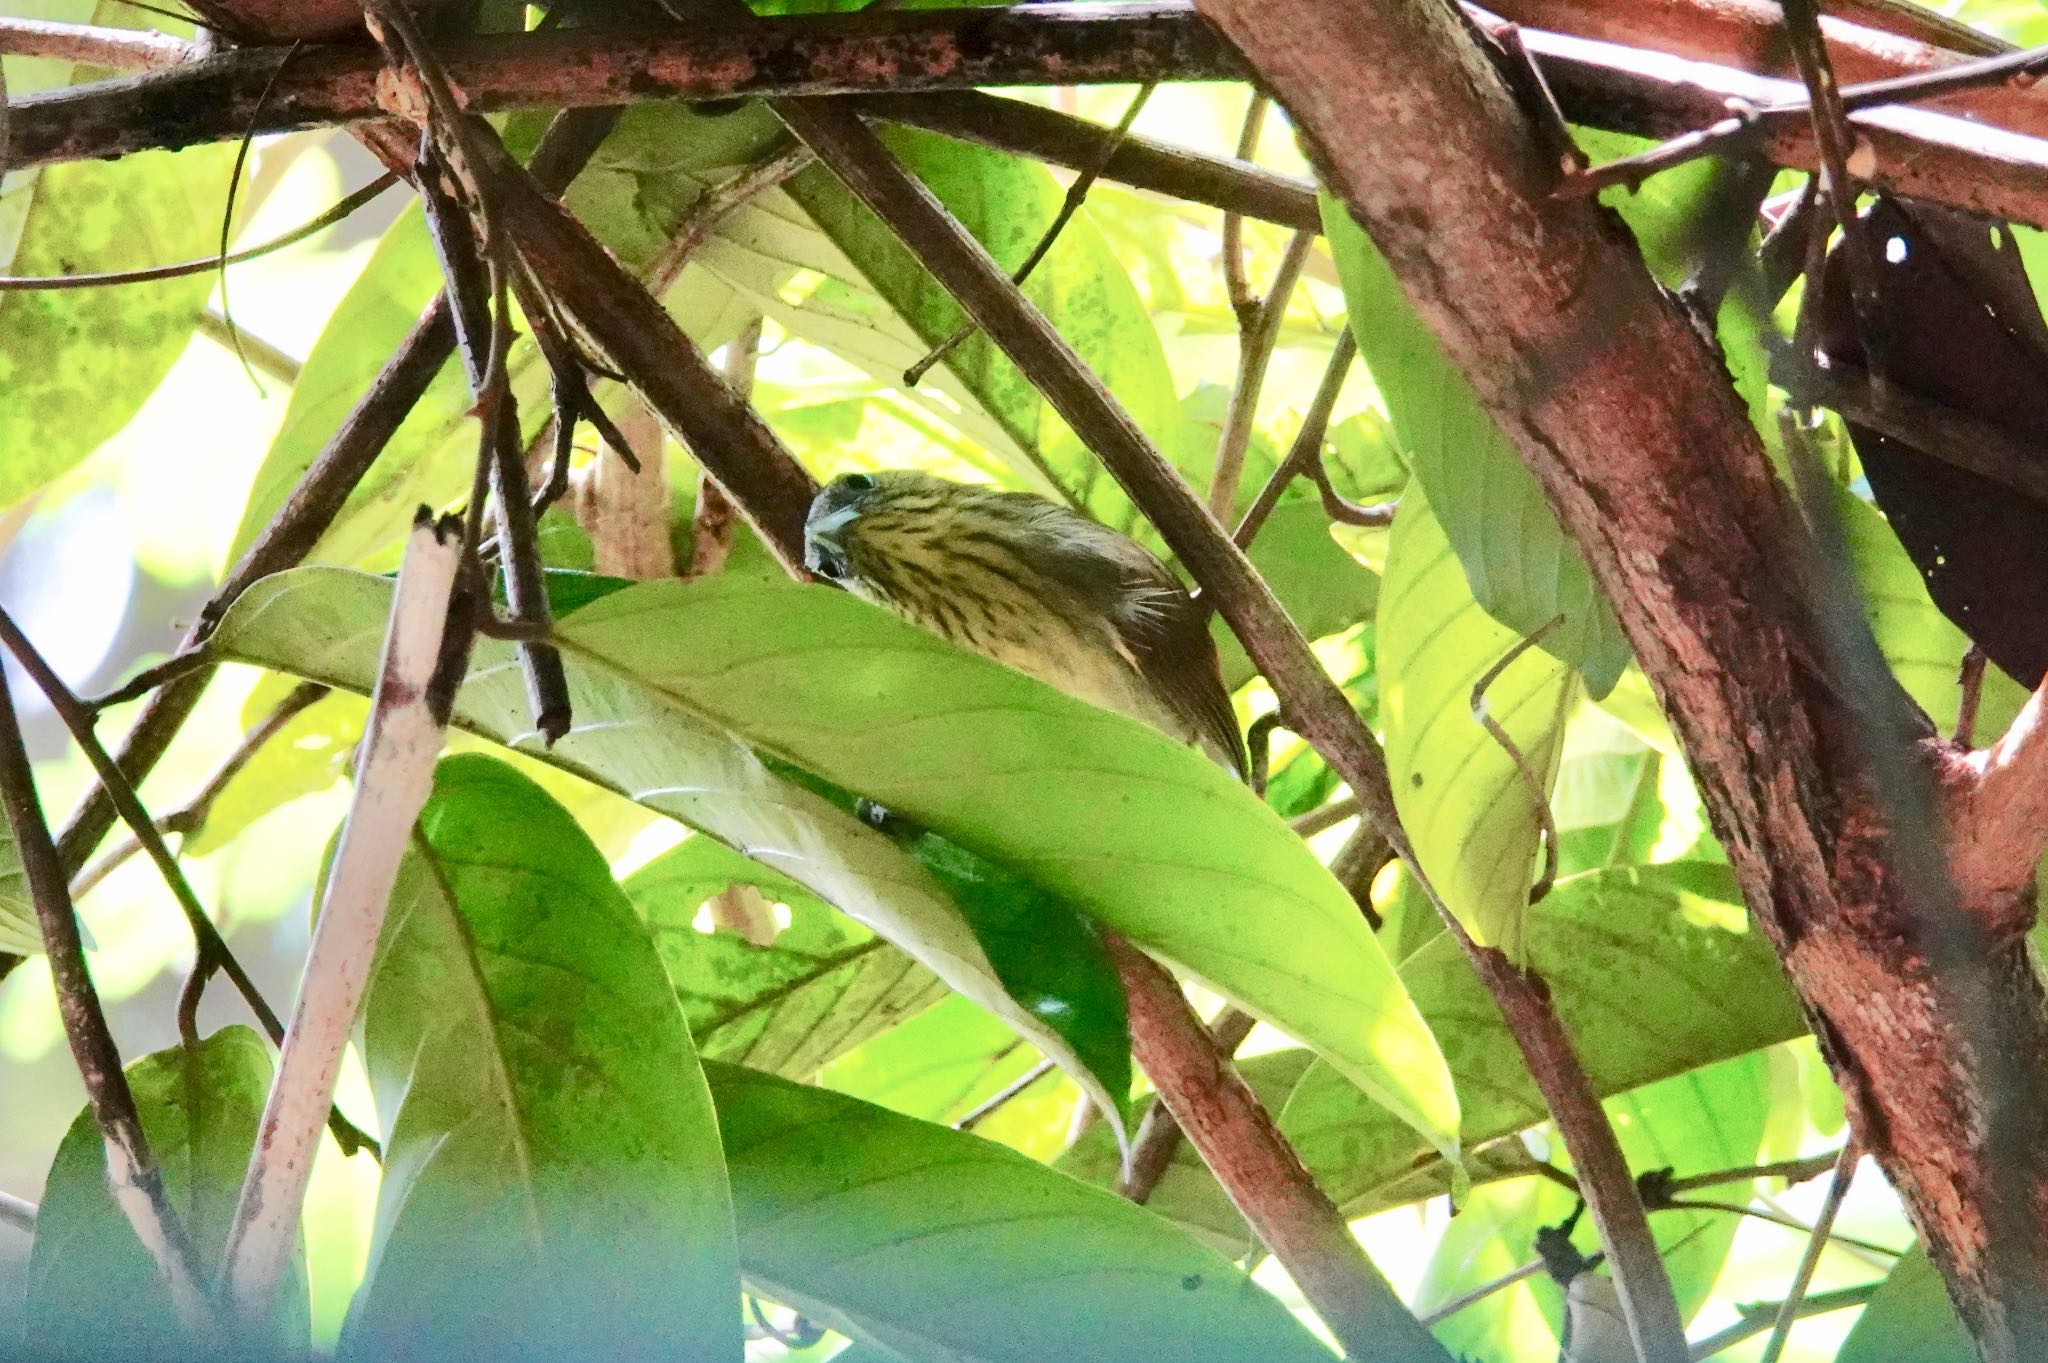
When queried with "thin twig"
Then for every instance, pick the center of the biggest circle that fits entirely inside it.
(269, 359)
(425, 652)
(211, 947)
(1759, 1317)
(1002, 1098)
(189, 819)
(17, 1212)
(1258, 336)
(1539, 793)
(1307, 450)
(1481, 1293)
(1823, 1227)
(132, 1173)
(201, 264)
(1236, 287)
(1061, 139)
(1325, 817)
(1970, 685)
(227, 214)
(1792, 1171)
(1077, 192)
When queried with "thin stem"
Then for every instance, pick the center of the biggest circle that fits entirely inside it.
(212, 948)
(1011, 1091)
(1823, 1227)
(1236, 287)
(1325, 817)
(17, 1212)
(1758, 1318)
(132, 1172)
(1159, 1135)
(1306, 453)
(341, 210)
(1258, 335)
(1077, 192)
(1481, 1293)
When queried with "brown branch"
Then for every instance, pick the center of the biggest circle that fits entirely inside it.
(859, 53)
(1265, 1179)
(1159, 1135)
(1258, 337)
(132, 1172)
(1997, 814)
(1044, 134)
(115, 49)
(1305, 455)
(1759, 1317)
(715, 518)
(1599, 382)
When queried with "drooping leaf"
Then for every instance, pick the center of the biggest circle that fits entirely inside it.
(940, 1245)
(820, 986)
(1522, 568)
(93, 1290)
(1007, 202)
(1073, 797)
(76, 364)
(630, 738)
(553, 1176)
(1470, 809)
(1696, 989)
(1962, 329)
(1909, 1320)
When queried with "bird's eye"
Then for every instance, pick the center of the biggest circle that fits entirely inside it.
(856, 482)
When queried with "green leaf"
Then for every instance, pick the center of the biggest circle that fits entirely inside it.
(1492, 1235)
(1099, 810)
(823, 985)
(1468, 807)
(1006, 202)
(940, 1245)
(1522, 568)
(327, 624)
(1654, 972)
(310, 753)
(76, 364)
(1324, 589)
(1910, 1320)
(92, 1288)
(553, 1175)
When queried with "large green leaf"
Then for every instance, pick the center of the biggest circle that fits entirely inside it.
(76, 364)
(92, 1288)
(1523, 569)
(1910, 1320)
(1469, 808)
(1100, 810)
(553, 1176)
(944, 1246)
(1653, 973)
(1006, 202)
(327, 624)
(820, 986)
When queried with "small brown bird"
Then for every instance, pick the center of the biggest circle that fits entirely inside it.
(1033, 585)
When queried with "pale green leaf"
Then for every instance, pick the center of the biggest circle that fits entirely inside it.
(942, 1246)
(76, 364)
(1910, 1320)
(328, 624)
(1074, 797)
(93, 1290)
(553, 1175)
(1522, 568)
(1469, 808)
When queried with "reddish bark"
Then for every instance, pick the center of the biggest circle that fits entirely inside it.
(1935, 1029)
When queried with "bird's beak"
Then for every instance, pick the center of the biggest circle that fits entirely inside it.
(824, 546)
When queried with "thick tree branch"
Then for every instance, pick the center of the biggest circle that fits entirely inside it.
(1601, 384)
(1997, 814)
(873, 52)
(116, 49)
